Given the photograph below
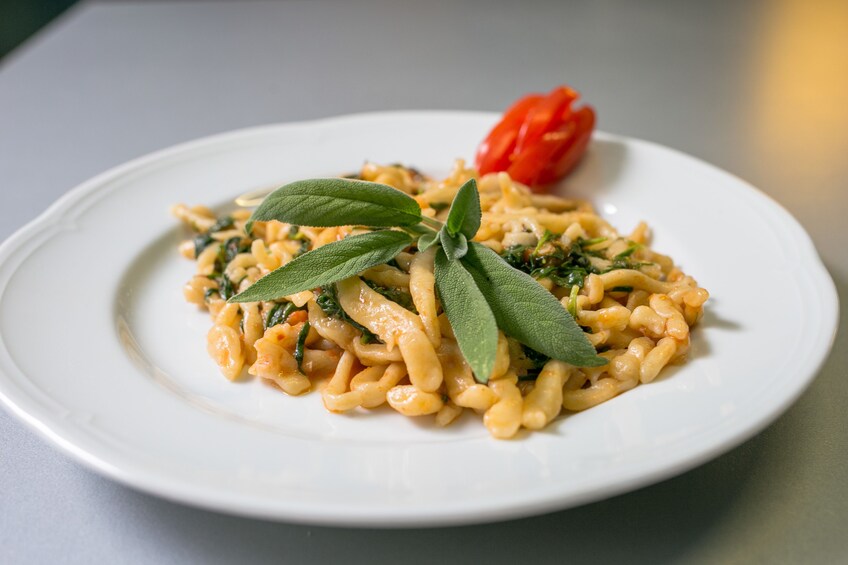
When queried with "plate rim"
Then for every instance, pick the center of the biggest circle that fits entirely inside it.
(17, 403)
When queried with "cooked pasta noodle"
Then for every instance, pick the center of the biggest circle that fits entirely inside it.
(381, 337)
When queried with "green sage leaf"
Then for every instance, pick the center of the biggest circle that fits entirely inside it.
(464, 216)
(327, 264)
(469, 314)
(338, 202)
(417, 230)
(455, 246)
(528, 312)
(427, 240)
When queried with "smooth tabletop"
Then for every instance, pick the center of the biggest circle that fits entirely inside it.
(758, 89)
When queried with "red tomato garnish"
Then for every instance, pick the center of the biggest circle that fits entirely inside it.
(545, 116)
(568, 157)
(540, 138)
(534, 165)
(493, 154)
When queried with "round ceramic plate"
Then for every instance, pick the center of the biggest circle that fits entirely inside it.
(101, 355)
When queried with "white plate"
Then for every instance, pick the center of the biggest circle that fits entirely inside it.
(100, 354)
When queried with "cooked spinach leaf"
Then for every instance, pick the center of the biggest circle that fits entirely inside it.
(222, 223)
(297, 235)
(201, 242)
(228, 250)
(300, 346)
(565, 265)
(279, 313)
(396, 295)
(225, 287)
(535, 361)
(328, 301)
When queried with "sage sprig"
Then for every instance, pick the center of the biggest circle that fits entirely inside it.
(324, 203)
(526, 311)
(478, 290)
(469, 314)
(328, 264)
(465, 215)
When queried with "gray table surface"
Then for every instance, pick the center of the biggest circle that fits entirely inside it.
(759, 89)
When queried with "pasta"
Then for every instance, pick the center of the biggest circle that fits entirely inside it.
(381, 339)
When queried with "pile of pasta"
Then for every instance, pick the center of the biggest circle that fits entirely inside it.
(381, 338)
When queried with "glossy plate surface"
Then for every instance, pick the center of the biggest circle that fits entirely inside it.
(117, 374)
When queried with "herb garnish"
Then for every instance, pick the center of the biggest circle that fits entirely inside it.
(228, 251)
(226, 288)
(203, 240)
(221, 224)
(297, 235)
(479, 291)
(534, 362)
(324, 203)
(328, 301)
(279, 313)
(568, 265)
(300, 345)
(394, 294)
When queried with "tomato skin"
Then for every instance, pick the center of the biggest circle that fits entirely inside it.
(545, 116)
(540, 138)
(568, 157)
(494, 152)
(532, 166)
